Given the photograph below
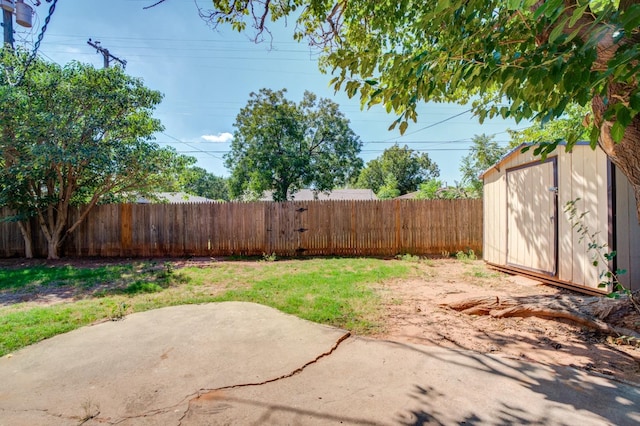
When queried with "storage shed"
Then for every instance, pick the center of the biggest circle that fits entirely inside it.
(528, 231)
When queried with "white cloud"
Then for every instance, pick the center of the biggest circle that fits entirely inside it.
(219, 138)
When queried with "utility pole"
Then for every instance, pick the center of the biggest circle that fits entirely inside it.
(7, 24)
(108, 57)
(23, 15)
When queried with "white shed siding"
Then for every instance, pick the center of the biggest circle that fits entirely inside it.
(581, 174)
(495, 218)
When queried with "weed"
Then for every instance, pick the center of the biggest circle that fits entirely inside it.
(118, 312)
(470, 255)
(480, 272)
(266, 257)
(168, 271)
(90, 411)
(408, 257)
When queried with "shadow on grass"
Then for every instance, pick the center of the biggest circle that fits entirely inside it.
(57, 283)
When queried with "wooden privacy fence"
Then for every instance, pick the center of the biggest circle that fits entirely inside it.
(362, 228)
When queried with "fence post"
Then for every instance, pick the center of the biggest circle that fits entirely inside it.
(126, 230)
(398, 239)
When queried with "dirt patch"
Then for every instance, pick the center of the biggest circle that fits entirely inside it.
(416, 312)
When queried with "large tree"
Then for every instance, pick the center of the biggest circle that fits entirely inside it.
(402, 165)
(74, 135)
(282, 146)
(525, 59)
(484, 153)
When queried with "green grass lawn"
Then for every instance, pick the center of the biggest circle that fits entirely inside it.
(339, 292)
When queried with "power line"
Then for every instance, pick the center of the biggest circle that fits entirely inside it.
(242, 58)
(467, 140)
(191, 48)
(367, 151)
(179, 40)
(210, 153)
(433, 124)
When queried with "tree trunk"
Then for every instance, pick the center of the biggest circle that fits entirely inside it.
(25, 230)
(625, 155)
(53, 246)
(52, 226)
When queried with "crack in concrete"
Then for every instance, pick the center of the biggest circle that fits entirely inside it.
(198, 394)
(203, 392)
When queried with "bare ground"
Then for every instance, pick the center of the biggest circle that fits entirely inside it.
(415, 311)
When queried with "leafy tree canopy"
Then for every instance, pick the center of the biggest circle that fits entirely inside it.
(198, 181)
(484, 153)
(408, 168)
(434, 189)
(574, 121)
(283, 146)
(389, 189)
(75, 135)
(521, 59)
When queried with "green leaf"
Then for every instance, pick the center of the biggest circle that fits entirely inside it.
(577, 14)
(442, 5)
(558, 30)
(513, 4)
(617, 131)
(403, 127)
(548, 8)
(623, 115)
(630, 19)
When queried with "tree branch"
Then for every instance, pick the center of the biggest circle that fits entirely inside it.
(154, 5)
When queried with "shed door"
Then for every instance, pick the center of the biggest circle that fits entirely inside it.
(531, 216)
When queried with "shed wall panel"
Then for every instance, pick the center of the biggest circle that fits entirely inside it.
(494, 213)
(565, 233)
(628, 233)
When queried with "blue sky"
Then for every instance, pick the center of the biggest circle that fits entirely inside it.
(206, 77)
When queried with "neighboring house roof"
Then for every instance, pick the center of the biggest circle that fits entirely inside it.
(173, 198)
(407, 196)
(336, 194)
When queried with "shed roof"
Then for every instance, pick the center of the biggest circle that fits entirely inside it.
(408, 196)
(516, 151)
